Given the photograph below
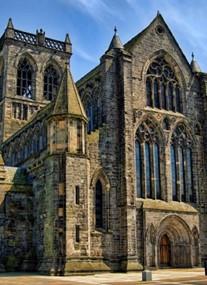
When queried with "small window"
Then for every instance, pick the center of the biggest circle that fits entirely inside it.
(99, 205)
(77, 233)
(77, 195)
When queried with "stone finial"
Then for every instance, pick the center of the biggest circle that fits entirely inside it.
(68, 45)
(9, 32)
(10, 24)
(40, 37)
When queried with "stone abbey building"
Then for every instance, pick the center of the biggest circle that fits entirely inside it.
(107, 174)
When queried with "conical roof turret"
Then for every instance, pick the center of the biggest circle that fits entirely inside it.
(194, 65)
(115, 42)
(68, 100)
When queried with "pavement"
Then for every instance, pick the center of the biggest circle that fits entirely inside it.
(192, 276)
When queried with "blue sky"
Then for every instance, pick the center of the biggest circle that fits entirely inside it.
(90, 24)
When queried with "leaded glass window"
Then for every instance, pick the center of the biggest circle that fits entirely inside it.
(147, 147)
(157, 170)
(51, 82)
(162, 88)
(99, 205)
(138, 169)
(181, 166)
(24, 79)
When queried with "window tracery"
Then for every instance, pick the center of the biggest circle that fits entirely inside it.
(147, 147)
(162, 88)
(51, 82)
(24, 79)
(181, 165)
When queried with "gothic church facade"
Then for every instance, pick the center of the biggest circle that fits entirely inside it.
(107, 174)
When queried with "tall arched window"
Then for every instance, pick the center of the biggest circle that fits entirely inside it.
(157, 170)
(181, 166)
(162, 88)
(51, 82)
(99, 205)
(24, 79)
(147, 147)
(138, 169)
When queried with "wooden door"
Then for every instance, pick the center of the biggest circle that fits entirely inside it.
(165, 251)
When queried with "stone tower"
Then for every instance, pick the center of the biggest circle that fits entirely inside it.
(109, 174)
(31, 67)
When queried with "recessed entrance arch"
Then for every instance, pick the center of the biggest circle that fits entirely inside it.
(165, 251)
(174, 240)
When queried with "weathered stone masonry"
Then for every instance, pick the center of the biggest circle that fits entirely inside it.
(107, 174)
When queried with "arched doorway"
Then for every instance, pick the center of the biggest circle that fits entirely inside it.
(174, 243)
(165, 251)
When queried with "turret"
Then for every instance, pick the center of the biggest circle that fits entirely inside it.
(194, 65)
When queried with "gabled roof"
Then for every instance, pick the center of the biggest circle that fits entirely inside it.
(68, 100)
(129, 45)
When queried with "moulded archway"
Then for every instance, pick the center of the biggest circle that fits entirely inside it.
(174, 240)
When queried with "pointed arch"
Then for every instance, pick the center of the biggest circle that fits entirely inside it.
(181, 145)
(100, 185)
(52, 74)
(165, 84)
(179, 239)
(26, 68)
(149, 148)
(171, 61)
(29, 58)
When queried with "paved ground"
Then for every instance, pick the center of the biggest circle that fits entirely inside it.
(194, 276)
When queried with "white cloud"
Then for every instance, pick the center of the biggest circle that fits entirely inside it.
(84, 55)
(96, 9)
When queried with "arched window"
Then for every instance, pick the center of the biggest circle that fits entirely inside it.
(162, 88)
(157, 170)
(181, 166)
(138, 169)
(148, 170)
(24, 79)
(99, 205)
(51, 82)
(147, 159)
